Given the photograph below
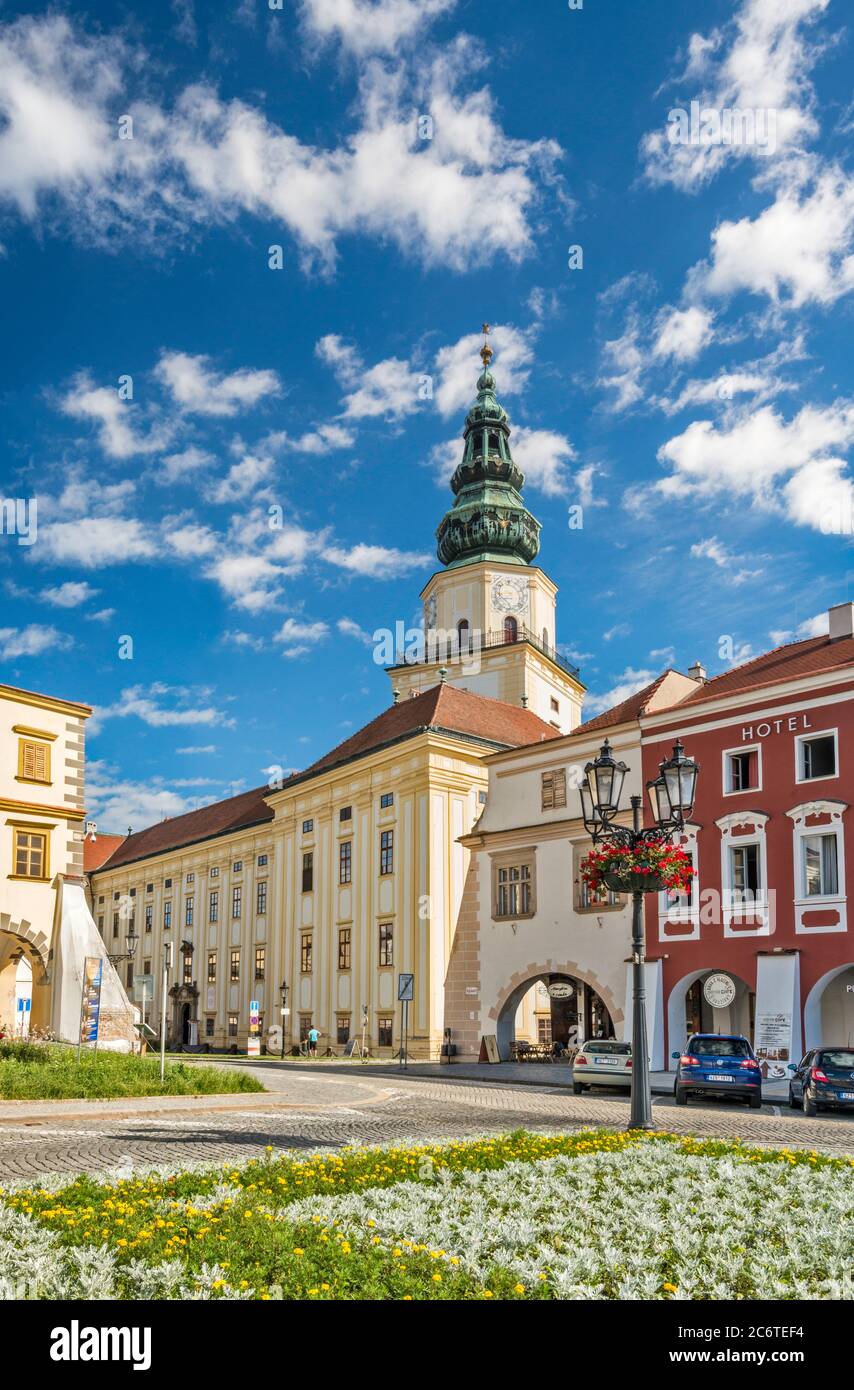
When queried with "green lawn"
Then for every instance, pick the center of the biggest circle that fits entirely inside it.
(31, 1071)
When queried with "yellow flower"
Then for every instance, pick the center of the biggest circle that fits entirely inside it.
(670, 1288)
(520, 1288)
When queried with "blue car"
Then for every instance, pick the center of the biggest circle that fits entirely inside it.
(716, 1065)
(824, 1078)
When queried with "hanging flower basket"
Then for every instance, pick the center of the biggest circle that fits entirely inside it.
(647, 869)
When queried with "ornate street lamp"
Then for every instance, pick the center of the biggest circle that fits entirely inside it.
(285, 989)
(131, 943)
(671, 797)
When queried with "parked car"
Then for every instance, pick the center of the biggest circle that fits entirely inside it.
(602, 1062)
(716, 1065)
(824, 1078)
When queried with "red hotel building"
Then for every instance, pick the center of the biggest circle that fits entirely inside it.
(771, 833)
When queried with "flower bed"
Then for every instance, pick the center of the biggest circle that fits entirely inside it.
(595, 1214)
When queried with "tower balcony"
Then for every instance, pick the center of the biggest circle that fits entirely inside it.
(440, 646)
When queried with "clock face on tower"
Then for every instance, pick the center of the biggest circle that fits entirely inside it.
(509, 595)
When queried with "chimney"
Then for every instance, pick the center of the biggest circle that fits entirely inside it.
(698, 673)
(841, 621)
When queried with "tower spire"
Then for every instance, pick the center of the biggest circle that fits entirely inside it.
(488, 520)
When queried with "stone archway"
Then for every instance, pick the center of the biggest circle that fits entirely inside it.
(503, 1013)
(814, 1028)
(19, 938)
(737, 1018)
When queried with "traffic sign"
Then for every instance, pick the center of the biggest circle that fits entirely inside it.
(406, 988)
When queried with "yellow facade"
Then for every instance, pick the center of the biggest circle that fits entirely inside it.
(41, 836)
(435, 782)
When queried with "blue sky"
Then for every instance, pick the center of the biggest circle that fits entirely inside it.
(688, 382)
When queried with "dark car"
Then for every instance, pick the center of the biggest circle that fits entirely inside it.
(824, 1079)
(716, 1065)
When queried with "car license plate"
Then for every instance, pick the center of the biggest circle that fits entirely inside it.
(846, 1095)
(605, 1061)
(716, 1076)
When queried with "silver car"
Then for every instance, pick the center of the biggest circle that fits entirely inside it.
(602, 1062)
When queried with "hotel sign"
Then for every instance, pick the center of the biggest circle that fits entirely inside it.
(793, 724)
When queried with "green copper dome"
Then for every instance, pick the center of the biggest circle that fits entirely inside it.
(489, 520)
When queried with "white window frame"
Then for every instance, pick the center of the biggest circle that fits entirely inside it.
(801, 831)
(728, 753)
(808, 738)
(676, 912)
(728, 825)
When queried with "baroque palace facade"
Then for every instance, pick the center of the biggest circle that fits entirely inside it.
(352, 871)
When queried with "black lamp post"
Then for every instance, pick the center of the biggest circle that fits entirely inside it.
(284, 987)
(671, 797)
(131, 943)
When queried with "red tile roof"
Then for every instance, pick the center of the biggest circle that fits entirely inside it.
(97, 851)
(631, 708)
(442, 709)
(222, 817)
(445, 709)
(796, 659)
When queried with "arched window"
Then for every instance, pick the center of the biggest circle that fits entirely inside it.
(463, 634)
(511, 630)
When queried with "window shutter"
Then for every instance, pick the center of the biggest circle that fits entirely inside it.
(548, 791)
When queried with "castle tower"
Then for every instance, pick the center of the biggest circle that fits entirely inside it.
(489, 615)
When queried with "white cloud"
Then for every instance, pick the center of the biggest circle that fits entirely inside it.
(300, 636)
(117, 803)
(95, 541)
(201, 391)
(456, 199)
(198, 748)
(797, 251)
(390, 388)
(627, 684)
(190, 540)
(350, 628)
(542, 456)
(712, 549)
(147, 704)
(251, 582)
(793, 468)
(174, 468)
(759, 63)
(69, 595)
(683, 333)
(370, 26)
(114, 417)
(242, 640)
(618, 630)
(241, 479)
(376, 561)
(32, 640)
(817, 626)
(323, 440)
(624, 362)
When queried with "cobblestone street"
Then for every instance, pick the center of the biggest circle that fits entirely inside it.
(317, 1109)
